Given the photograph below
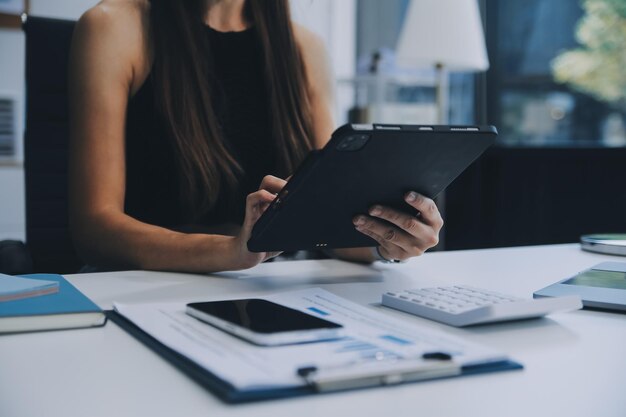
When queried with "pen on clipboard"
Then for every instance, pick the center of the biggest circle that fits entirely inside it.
(368, 374)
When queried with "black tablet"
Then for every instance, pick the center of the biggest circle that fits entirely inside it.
(360, 166)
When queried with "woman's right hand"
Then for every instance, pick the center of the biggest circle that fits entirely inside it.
(256, 204)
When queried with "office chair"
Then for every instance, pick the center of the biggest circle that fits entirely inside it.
(46, 145)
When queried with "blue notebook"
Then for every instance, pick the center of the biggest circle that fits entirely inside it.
(66, 309)
(15, 288)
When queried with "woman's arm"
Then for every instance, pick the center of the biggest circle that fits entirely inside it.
(399, 235)
(109, 62)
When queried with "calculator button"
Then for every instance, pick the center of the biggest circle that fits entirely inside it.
(454, 305)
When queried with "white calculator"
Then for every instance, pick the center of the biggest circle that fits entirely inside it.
(461, 305)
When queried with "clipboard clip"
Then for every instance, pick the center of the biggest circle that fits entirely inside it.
(430, 365)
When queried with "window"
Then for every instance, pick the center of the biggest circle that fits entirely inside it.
(527, 41)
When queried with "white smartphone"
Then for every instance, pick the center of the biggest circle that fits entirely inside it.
(265, 323)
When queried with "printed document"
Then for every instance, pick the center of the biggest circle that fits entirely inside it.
(371, 336)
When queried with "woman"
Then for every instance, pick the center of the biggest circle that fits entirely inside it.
(179, 110)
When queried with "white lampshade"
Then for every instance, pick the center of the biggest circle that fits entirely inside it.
(446, 32)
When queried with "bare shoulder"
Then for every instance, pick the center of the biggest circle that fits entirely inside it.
(311, 45)
(320, 80)
(110, 16)
(118, 30)
(315, 59)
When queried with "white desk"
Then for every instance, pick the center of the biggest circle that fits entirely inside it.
(575, 363)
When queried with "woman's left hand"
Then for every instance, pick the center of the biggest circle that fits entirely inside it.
(400, 235)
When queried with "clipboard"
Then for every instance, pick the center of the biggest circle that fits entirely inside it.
(231, 395)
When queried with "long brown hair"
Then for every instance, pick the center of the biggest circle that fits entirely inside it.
(182, 79)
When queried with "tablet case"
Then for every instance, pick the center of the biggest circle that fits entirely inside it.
(228, 393)
(363, 165)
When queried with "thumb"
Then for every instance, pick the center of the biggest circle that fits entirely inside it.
(256, 203)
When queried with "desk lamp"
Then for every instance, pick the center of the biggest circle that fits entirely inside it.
(446, 35)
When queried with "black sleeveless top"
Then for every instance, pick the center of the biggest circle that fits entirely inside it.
(242, 109)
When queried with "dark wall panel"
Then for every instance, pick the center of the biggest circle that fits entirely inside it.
(530, 196)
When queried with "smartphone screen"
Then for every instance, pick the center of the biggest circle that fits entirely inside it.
(262, 316)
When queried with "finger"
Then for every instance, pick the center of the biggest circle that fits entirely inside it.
(272, 184)
(387, 254)
(259, 199)
(410, 224)
(388, 249)
(256, 203)
(414, 245)
(270, 255)
(429, 213)
(387, 232)
(390, 235)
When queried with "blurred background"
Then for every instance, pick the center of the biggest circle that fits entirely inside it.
(550, 75)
